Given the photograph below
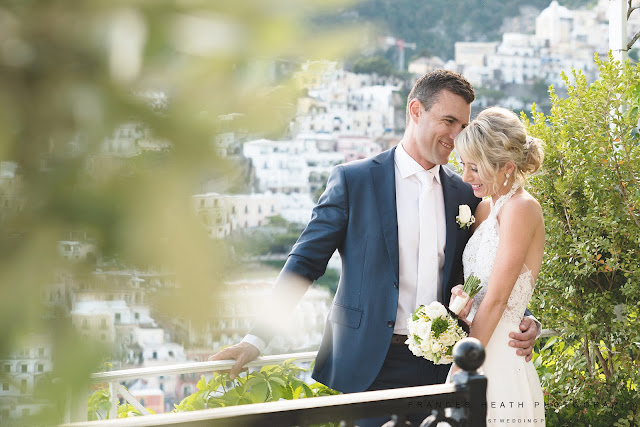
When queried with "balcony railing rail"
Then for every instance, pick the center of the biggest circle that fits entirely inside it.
(77, 409)
(462, 403)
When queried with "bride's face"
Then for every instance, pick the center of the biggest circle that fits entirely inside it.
(471, 175)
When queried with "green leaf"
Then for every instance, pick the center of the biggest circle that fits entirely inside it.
(259, 392)
(202, 383)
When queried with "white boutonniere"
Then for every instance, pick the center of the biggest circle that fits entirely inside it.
(465, 218)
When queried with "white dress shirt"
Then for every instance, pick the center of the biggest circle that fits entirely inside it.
(407, 195)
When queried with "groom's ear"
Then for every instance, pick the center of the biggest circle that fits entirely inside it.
(415, 109)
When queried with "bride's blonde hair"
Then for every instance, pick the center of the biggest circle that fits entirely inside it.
(494, 138)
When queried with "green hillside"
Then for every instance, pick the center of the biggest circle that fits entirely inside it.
(435, 25)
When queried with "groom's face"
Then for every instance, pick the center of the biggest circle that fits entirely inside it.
(438, 127)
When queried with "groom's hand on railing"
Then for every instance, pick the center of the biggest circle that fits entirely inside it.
(242, 353)
(525, 340)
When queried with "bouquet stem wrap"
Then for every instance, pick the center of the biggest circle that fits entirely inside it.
(471, 287)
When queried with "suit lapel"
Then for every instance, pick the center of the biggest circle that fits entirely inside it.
(450, 193)
(384, 187)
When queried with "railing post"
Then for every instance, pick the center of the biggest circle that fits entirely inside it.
(76, 405)
(469, 355)
(113, 398)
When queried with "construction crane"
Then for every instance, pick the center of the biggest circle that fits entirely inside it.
(400, 44)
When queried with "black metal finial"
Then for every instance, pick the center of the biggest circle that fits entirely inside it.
(468, 354)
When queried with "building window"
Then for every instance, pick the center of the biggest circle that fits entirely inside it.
(137, 316)
(155, 355)
(41, 352)
(7, 368)
(5, 386)
(117, 317)
(40, 367)
(23, 386)
(24, 368)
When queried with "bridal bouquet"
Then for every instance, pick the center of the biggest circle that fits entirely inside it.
(434, 330)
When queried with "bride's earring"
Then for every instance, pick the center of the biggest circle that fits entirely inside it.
(506, 180)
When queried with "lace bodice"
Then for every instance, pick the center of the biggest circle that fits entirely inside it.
(478, 258)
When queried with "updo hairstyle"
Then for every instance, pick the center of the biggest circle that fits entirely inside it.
(494, 138)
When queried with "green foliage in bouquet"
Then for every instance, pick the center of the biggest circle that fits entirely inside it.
(589, 286)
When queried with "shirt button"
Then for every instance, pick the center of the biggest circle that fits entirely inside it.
(395, 284)
(391, 323)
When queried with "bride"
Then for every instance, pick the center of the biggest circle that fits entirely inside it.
(505, 252)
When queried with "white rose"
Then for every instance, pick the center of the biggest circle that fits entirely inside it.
(422, 329)
(435, 309)
(464, 214)
(447, 339)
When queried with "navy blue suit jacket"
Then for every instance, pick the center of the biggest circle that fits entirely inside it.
(357, 215)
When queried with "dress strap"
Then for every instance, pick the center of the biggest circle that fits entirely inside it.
(495, 209)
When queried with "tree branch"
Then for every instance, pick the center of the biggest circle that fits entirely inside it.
(601, 359)
(633, 40)
(587, 355)
(603, 362)
(631, 9)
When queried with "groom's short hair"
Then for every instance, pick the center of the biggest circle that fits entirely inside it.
(429, 86)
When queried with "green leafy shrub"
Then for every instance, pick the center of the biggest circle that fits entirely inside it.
(589, 287)
(271, 383)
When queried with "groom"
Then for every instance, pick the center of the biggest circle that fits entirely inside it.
(369, 213)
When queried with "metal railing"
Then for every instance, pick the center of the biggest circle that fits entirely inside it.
(77, 405)
(460, 404)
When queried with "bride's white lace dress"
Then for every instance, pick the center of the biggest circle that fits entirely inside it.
(514, 395)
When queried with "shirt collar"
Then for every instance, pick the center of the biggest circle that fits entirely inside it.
(407, 166)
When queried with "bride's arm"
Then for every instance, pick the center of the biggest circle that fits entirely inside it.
(519, 221)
